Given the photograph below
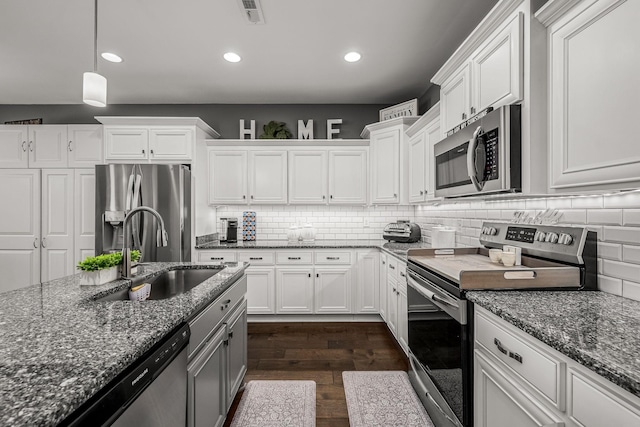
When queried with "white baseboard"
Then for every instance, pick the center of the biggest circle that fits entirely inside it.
(257, 318)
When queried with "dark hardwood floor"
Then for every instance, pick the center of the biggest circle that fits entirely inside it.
(320, 352)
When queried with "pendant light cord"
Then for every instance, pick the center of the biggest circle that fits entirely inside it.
(95, 37)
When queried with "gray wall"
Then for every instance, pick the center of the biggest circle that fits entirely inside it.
(224, 118)
(429, 99)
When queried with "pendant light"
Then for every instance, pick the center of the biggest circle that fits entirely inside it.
(94, 86)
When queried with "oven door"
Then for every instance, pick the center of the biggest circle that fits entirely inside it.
(439, 352)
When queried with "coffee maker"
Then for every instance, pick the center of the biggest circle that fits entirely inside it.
(229, 230)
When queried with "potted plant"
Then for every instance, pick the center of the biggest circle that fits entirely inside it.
(275, 130)
(100, 269)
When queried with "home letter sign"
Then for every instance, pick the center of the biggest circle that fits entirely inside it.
(330, 130)
(251, 132)
(305, 131)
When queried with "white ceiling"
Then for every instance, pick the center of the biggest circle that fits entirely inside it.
(172, 50)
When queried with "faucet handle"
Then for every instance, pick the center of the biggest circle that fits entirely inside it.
(162, 237)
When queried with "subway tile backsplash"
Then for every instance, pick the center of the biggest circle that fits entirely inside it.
(616, 219)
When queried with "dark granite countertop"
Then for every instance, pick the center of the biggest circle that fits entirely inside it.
(600, 331)
(58, 346)
(397, 249)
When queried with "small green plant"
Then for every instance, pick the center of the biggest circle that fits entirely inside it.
(100, 262)
(275, 130)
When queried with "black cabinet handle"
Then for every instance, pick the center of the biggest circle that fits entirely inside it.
(391, 267)
(255, 258)
(217, 258)
(293, 258)
(503, 350)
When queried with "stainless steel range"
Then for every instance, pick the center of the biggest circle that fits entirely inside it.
(440, 319)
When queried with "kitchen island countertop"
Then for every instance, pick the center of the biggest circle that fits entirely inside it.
(58, 346)
(600, 331)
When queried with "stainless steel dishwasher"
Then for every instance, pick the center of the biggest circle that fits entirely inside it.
(151, 392)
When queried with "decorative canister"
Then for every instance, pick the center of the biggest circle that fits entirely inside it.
(308, 233)
(293, 234)
(248, 226)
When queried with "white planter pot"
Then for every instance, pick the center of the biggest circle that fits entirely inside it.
(99, 277)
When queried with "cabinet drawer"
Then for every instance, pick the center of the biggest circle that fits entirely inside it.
(216, 257)
(594, 404)
(333, 257)
(392, 268)
(294, 257)
(205, 323)
(540, 369)
(256, 257)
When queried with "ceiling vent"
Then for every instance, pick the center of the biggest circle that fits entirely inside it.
(252, 11)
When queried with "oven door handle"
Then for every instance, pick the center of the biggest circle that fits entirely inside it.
(433, 401)
(453, 309)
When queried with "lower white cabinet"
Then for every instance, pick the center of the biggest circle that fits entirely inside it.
(396, 293)
(367, 282)
(261, 290)
(392, 306)
(403, 319)
(332, 290)
(217, 357)
(535, 385)
(384, 284)
(294, 290)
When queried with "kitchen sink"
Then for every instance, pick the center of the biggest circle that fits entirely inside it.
(168, 284)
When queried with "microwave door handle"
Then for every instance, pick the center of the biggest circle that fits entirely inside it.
(472, 161)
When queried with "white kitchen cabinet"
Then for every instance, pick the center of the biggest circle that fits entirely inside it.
(294, 290)
(501, 403)
(84, 214)
(86, 148)
(308, 177)
(170, 143)
(592, 103)
(348, 177)
(19, 228)
(227, 177)
(423, 135)
(48, 146)
(14, 146)
(57, 239)
(455, 98)
(367, 282)
(388, 173)
(332, 290)
(126, 143)
(216, 257)
(392, 306)
(261, 290)
(497, 67)
(268, 177)
(403, 318)
(384, 285)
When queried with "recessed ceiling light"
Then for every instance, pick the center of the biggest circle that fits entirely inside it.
(352, 57)
(111, 57)
(232, 57)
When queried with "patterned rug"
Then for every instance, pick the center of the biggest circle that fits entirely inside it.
(277, 404)
(383, 398)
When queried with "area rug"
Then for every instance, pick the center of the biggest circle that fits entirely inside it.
(383, 398)
(277, 403)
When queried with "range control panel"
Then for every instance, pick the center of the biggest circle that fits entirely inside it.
(549, 241)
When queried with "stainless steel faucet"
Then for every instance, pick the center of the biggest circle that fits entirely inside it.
(162, 237)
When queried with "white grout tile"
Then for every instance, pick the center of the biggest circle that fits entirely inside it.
(622, 234)
(574, 216)
(626, 200)
(631, 290)
(631, 254)
(610, 251)
(621, 270)
(604, 216)
(587, 202)
(610, 285)
(631, 217)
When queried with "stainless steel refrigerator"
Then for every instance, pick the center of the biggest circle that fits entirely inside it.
(165, 188)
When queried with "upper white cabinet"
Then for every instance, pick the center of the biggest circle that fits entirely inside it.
(153, 139)
(308, 177)
(423, 135)
(388, 174)
(268, 177)
(348, 177)
(486, 71)
(227, 177)
(50, 146)
(594, 85)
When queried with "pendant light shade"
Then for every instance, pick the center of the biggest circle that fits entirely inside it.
(94, 86)
(94, 89)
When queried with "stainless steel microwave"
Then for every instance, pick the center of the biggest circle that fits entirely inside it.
(484, 157)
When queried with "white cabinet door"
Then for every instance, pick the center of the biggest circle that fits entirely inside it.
(497, 67)
(48, 146)
(593, 102)
(227, 177)
(126, 143)
(206, 378)
(268, 177)
(333, 290)
(385, 166)
(498, 402)
(237, 352)
(294, 290)
(19, 228)
(171, 144)
(14, 146)
(455, 99)
(403, 319)
(84, 214)
(433, 136)
(383, 285)
(392, 306)
(308, 177)
(417, 167)
(85, 146)
(57, 224)
(367, 285)
(261, 290)
(348, 177)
